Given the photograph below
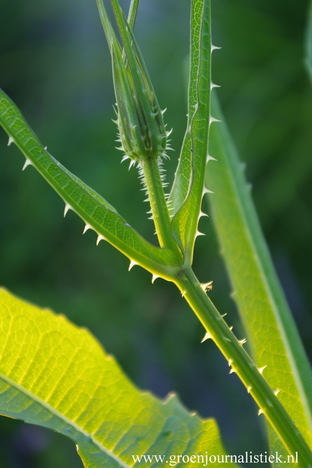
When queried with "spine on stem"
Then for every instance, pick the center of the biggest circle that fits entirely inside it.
(142, 132)
(240, 362)
(151, 173)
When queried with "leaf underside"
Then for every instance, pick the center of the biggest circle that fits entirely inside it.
(56, 375)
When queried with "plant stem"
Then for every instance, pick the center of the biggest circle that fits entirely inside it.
(241, 363)
(157, 200)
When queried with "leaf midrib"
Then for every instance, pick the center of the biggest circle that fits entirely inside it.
(61, 416)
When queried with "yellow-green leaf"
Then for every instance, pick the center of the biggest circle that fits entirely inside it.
(57, 375)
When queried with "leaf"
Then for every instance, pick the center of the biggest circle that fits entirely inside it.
(56, 375)
(96, 212)
(188, 188)
(272, 333)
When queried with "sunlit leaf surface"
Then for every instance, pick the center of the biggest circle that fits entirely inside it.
(57, 375)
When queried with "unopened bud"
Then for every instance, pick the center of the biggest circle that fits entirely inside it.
(142, 132)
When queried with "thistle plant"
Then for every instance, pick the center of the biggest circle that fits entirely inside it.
(143, 137)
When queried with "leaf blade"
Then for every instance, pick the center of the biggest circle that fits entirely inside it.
(57, 375)
(271, 330)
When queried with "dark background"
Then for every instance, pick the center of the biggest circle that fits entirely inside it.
(55, 65)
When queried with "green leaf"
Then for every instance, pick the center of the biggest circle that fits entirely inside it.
(272, 333)
(188, 188)
(96, 212)
(56, 375)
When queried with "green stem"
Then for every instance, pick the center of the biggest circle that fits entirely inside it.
(157, 200)
(241, 363)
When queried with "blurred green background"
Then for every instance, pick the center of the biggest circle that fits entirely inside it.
(55, 65)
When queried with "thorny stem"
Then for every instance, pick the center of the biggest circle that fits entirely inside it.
(241, 363)
(159, 209)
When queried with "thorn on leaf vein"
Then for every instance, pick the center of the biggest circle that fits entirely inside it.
(11, 140)
(66, 209)
(213, 85)
(213, 119)
(261, 369)
(132, 264)
(99, 239)
(154, 278)
(213, 47)
(86, 228)
(26, 164)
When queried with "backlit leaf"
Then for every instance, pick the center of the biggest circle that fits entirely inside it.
(56, 375)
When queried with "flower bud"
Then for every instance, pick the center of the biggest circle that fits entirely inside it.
(142, 132)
